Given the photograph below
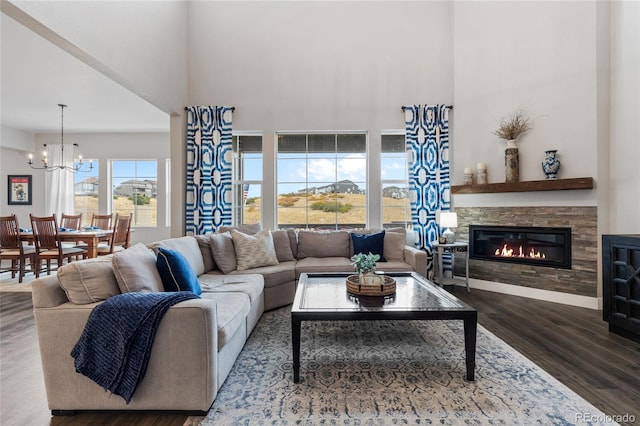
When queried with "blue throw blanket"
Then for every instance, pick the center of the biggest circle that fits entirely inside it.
(115, 346)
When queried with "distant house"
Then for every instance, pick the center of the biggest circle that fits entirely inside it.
(88, 186)
(341, 187)
(148, 188)
(395, 192)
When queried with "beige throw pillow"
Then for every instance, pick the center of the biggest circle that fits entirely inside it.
(135, 270)
(253, 251)
(88, 281)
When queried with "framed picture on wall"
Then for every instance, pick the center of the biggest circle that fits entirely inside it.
(19, 188)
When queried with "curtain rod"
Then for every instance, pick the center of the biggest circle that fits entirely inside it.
(232, 108)
(446, 106)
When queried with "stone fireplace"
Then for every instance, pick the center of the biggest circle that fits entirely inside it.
(578, 277)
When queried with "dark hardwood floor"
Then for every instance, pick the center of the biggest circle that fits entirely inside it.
(572, 344)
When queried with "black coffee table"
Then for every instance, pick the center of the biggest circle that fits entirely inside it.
(324, 297)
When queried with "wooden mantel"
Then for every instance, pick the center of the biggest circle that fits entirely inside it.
(532, 185)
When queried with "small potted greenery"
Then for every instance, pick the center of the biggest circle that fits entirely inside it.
(364, 264)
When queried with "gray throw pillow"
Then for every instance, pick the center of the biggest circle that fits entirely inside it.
(135, 270)
(394, 243)
(323, 244)
(283, 245)
(223, 252)
(204, 242)
(254, 251)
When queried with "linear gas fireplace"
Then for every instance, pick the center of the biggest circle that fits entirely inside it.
(521, 244)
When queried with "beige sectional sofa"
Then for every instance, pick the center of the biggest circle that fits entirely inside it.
(197, 341)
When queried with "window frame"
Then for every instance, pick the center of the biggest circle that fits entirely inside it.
(404, 182)
(309, 184)
(237, 184)
(111, 189)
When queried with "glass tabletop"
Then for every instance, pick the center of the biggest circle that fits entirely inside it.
(328, 292)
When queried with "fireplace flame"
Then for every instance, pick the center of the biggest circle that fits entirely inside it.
(506, 251)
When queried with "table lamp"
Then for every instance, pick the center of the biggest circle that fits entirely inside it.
(449, 220)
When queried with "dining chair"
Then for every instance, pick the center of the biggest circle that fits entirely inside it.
(120, 238)
(13, 249)
(47, 243)
(71, 221)
(102, 221)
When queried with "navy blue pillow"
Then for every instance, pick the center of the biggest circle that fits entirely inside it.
(176, 273)
(369, 243)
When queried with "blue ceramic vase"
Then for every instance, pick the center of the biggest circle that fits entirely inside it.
(551, 164)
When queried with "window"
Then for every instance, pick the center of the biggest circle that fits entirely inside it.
(247, 179)
(396, 204)
(322, 180)
(135, 190)
(85, 188)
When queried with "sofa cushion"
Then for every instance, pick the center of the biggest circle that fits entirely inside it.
(274, 275)
(394, 243)
(223, 252)
(369, 243)
(250, 284)
(323, 244)
(135, 269)
(253, 251)
(88, 281)
(232, 309)
(175, 272)
(188, 247)
(283, 245)
(250, 229)
(293, 241)
(323, 264)
(204, 243)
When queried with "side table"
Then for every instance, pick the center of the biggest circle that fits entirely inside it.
(458, 247)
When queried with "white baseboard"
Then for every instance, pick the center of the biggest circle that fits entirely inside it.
(536, 293)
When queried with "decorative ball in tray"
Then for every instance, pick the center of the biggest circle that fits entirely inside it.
(384, 286)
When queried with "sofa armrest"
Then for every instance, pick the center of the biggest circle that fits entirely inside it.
(47, 293)
(182, 370)
(416, 258)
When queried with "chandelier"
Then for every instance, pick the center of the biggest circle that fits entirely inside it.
(45, 164)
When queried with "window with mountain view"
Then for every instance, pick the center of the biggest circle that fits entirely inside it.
(247, 179)
(396, 205)
(134, 186)
(85, 188)
(322, 180)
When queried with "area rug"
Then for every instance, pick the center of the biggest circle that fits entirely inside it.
(379, 373)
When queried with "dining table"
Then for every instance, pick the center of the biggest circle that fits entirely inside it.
(91, 237)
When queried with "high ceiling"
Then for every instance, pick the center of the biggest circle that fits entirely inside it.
(36, 76)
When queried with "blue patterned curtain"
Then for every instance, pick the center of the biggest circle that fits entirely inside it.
(427, 143)
(209, 162)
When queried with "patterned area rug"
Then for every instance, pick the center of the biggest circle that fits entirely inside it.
(379, 373)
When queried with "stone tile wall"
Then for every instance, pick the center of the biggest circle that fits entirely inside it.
(581, 279)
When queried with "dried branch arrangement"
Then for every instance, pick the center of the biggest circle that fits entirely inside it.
(514, 126)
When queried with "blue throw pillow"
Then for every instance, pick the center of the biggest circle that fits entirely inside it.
(369, 243)
(176, 273)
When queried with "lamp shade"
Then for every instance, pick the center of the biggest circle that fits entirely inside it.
(448, 219)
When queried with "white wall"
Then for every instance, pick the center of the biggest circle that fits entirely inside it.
(539, 57)
(319, 66)
(140, 44)
(14, 162)
(624, 155)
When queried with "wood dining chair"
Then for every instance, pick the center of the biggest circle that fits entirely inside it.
(48, 245)
(121, 237)
(102, 221)
(71, 221)
(13, 249)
